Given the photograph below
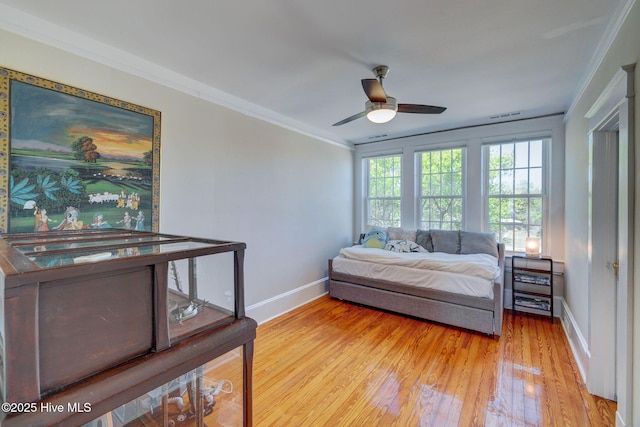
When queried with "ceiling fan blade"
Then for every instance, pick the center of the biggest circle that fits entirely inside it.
(350, 119)
(420, 109)
(374, 90)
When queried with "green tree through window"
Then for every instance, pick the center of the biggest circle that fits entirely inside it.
(441, 198)
(383, 191)
(515, 191)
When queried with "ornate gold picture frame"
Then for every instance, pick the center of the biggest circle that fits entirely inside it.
(74, 159)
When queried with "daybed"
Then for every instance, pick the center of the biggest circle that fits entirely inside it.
(452, 277)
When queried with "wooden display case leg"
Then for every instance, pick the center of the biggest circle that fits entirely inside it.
(248, 383)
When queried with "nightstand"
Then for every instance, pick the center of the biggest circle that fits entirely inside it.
(532, 285)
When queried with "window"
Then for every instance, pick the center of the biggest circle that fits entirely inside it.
(383, 192)
(515, 191)
(440, 189)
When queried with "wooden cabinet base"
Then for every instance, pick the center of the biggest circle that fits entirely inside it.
(97, 395)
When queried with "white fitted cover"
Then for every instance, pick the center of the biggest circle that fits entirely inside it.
(478, 265)
(471, 275)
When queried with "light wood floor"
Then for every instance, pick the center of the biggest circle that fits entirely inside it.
(331, 363)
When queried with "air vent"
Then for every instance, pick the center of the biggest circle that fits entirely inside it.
(505, 115)
(384, 135)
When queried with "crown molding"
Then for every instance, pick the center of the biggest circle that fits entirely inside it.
(45, 32)
(603, 47)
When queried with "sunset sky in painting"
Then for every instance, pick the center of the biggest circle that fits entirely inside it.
(113, 142)
(57, 118)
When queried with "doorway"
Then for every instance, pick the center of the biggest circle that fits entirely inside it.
(611, 261)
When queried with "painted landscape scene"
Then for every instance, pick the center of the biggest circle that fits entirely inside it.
(77, 163)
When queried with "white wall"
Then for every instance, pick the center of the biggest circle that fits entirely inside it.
(472, 139)
(625, 49)
(229, 176)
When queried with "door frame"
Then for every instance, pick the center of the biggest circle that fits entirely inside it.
(615, 108)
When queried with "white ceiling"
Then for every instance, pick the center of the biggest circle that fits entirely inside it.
(298, 63)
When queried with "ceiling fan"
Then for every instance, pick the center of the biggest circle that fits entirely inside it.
(381, 108)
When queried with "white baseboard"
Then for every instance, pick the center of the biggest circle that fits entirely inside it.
(576, 340)
(280, 304)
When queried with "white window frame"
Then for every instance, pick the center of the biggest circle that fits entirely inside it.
(420, 198)
(544, 195)
(367, 186)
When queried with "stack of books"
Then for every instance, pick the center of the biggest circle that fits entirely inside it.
(537, 303)
(528, 278)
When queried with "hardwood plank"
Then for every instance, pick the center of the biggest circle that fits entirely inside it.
(484, 367)
(340, 364)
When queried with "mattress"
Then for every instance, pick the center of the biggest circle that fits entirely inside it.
(480, 265)
(417, 277)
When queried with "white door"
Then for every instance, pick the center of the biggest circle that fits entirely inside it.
(603, 247)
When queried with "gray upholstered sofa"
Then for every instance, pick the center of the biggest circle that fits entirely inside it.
(482, 314)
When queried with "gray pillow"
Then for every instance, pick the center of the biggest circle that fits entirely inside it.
(446, 241)
(472, 242)
(423, 238)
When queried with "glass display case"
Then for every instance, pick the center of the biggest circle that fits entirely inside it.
(75, 305)
(207, 395)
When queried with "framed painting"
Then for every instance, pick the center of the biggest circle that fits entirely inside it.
(72, 159)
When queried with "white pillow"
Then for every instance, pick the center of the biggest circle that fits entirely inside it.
(403, 246)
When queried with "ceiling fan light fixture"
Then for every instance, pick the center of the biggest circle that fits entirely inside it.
(381, 112)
